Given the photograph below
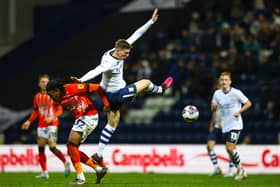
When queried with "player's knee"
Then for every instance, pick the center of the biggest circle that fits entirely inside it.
(52, 144)
(209, 148)
(116, 122)
(69, 144)
(230, 148)
(41, 149)
(113, 122)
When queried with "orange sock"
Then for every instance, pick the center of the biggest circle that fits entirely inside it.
(78, 167)
(75, 158)
(91, 164)
(86, 160)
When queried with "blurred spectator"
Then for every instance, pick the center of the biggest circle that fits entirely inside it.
(276, 16)
(179, 72)
(256, 25)
(248, 21)
(250, 46)
(238, 35)
(216, 65)
(251, 52)
(224, 37)
(165, 54)
(186, 39)
(201, 80)
(129, 73)
(246, 140)
(265, 36)
(207, 40)
(144, 71)
(194, 22)
(237, 9)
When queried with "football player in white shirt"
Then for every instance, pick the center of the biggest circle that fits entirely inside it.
(111, 68)
(232, 102)
(215, 134)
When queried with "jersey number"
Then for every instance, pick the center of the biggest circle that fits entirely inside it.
(117, 70)
(234, 136)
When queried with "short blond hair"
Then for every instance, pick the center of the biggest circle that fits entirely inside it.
(122, 44)
(226, 73)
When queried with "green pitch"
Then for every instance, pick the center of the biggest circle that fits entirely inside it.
(139, 180)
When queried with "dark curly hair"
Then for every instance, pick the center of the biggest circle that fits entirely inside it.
(56, 83)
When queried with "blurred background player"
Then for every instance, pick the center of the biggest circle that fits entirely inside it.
(74, 98)
(47, 112)
(232, 102)
(111, 68)
(215, 134)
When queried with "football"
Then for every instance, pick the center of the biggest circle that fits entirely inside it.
(190, 113)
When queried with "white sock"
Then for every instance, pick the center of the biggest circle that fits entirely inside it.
(81, 176)
(105, 137)
(98, 169)
(154, 88)
(213, 159)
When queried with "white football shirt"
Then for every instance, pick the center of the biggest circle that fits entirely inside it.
(229, 103)
(112, 67)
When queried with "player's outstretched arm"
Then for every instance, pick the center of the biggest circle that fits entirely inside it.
(140, 31)
(75, 79)
(27, 123)
(90, 75)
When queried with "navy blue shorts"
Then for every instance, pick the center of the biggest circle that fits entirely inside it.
(117, 99)
(215, 135)
(232, 136)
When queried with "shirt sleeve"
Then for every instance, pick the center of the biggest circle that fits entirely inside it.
(214, 99)
(75, 88)
(104, 66)
(35, 105)
(34, 114)
(139, 32)
(241, 97)
(93, 73)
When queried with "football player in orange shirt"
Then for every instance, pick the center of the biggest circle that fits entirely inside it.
(47, 112)
(74, 98)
